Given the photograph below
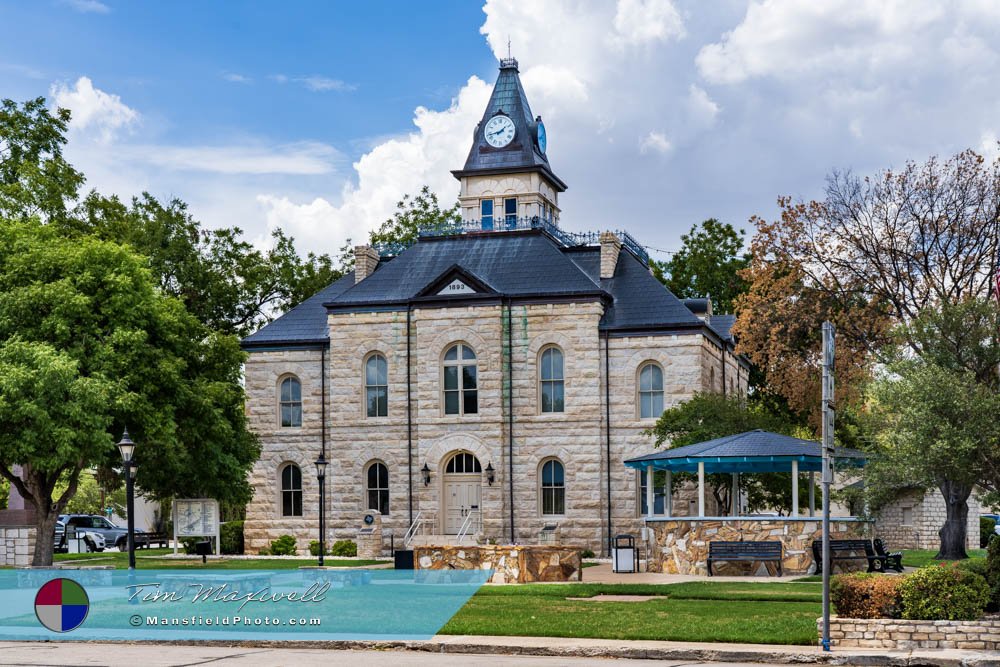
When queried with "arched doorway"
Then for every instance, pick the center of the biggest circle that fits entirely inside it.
(462, 492)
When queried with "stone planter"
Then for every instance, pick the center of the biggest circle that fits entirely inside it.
(891, 633)
(510, 564)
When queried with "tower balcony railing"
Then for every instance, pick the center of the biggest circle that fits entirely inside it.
(514, 224)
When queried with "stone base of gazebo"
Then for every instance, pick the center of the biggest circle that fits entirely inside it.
(680, 544)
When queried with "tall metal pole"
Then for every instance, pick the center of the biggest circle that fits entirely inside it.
(322, 518)
(130, 510)
(827, 479)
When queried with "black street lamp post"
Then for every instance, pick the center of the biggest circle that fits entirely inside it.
(127, 448)
(321, 464)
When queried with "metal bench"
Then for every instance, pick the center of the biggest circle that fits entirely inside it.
(893, 559)
(850, 550)
(744, 551)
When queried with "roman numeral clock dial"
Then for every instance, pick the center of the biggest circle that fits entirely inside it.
(499, 131)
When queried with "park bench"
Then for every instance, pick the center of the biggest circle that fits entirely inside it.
(850, 550)
(744, 551)
(893, 559)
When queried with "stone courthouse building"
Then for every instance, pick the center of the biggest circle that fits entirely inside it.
(491, 378)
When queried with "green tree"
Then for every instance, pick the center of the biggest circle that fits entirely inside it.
(708, 416)
(93, 346)
(35, 179)
(708, 264)
(939, 430)
(414, 212)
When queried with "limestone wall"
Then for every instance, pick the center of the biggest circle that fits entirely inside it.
(913, 519)
(510, 564)
(681, 546)
(17, 545)
(983, 634)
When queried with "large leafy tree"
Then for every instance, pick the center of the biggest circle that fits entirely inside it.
(93, 346)
(875, 256)
(414, 212)
(709, 263)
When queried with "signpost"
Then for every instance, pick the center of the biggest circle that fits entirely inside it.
(196, 517)
(827, 479)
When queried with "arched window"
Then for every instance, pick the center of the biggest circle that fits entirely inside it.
(553, 488)
(377, 386)
(463, 462)
(461, 396)
(650, 391)
(291, 490)
(550, 376)
(377, 487)
(290, 402)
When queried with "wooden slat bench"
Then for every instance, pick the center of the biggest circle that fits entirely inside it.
(745, 552)
(850, 550)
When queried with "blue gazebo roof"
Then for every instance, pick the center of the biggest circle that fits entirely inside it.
(753, 451)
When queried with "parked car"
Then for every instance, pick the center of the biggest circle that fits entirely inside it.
(114, 536)
(94, 541)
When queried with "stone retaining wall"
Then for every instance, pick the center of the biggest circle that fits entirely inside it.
(17, 545)
(893, 633)
(681, 546)
(510, 564)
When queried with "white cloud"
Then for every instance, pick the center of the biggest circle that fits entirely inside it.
(322, 84)
(702, 107)
(88, 6)
(94, 110)
(233, 77)
(641, 21)
(302, 159)
(655, 142)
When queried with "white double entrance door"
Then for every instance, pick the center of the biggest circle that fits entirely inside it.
(462, 495)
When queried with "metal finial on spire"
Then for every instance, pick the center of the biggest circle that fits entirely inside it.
(508, 45)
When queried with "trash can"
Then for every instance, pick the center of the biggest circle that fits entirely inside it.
(624, 554)
(403, 559)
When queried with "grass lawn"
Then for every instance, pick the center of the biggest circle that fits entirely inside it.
(764, 613)
(921, 557)
(143, 562)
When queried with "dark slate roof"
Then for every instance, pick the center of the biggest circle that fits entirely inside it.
(723, 325)
(746, 447)
(640, 300)
(303, 324)
(522, 153)
(510, 263)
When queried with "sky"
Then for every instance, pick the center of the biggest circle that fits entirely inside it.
(317, 117)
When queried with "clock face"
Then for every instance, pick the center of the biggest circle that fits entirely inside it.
(542, 139)
(499, 131)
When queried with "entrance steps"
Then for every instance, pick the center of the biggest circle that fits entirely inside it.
(443, 540)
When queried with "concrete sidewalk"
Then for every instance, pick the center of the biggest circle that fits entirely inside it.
(486, 649)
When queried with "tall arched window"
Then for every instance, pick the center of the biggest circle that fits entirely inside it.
(290, 402)
(650, 391)
(377, 487)
(377, 386)
(461, 395)
(553, 488)
(463, 462)
(291, 490)
(551, 380)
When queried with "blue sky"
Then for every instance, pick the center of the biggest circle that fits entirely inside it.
(318, 116)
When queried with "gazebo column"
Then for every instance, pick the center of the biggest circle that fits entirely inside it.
(650, 497)
(701, 488)
(812, 493)
(668, 502)
(735, 495)
(795, 488)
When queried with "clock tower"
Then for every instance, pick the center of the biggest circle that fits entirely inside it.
(507, 176)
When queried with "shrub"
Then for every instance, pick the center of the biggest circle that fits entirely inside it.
(863, 595)
(231, 536)
(586, 553)
(188, 544)
(283, 546)
(944, 593)
(314, 548)
(264, 551)
(987, 527)
(344, 548)
(993, 572)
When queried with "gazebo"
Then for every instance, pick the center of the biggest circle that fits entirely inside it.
(684, 538)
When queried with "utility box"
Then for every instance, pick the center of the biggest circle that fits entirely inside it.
(624, 554)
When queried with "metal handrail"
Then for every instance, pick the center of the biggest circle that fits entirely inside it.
(411, 532)
(466, 525)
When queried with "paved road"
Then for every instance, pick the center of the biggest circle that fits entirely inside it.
(38, 654)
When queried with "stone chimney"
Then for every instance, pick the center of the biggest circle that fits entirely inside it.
(365, 261)
(611, 247)
(702, 308)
